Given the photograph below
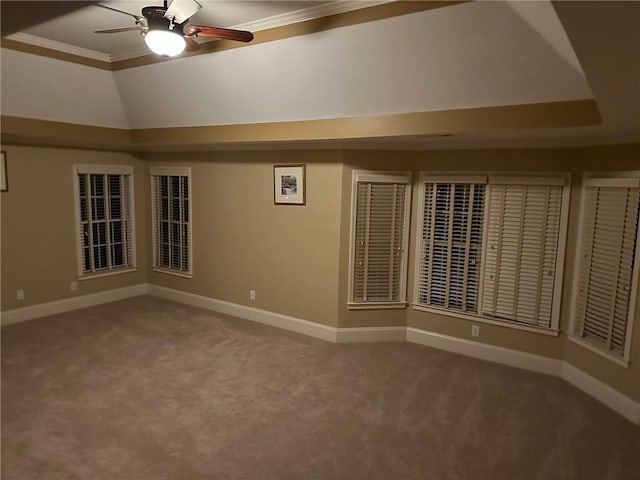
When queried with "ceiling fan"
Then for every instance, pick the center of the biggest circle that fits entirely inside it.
(166, 31)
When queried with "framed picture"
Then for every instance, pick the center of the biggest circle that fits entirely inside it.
(288, 184)
(3, 176)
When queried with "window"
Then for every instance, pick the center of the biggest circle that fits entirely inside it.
(523, 232)
(104, 213)
(492, 247)
(606, 266)
(379, 235)
(451, 242)
(171, 213)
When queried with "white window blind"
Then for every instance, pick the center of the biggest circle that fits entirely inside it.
(451, 245)
(379, 239)
(603, 301)
(171, 216)
(523, 231)
(490, 248)
(105, 219)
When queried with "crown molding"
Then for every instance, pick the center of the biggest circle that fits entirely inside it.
(59, 46)
(309, 13)
(277, 27)
(288, 18)
(137, 53)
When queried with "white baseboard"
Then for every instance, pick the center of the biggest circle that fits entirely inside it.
(615, 400)
(72, 303)
(491, 353)
(371, 334)
(298, 325)
(305, 327)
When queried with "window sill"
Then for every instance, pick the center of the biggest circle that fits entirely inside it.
(375, 305)
(172, 272)
(595, 349)
(489, 321)
(91, 276)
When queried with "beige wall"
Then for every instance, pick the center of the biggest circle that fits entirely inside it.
(295, 258)
(242, 241)
(364, 160)
(38, 240)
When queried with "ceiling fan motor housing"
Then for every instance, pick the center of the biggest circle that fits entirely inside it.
(157, 21)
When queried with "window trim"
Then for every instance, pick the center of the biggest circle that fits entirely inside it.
(562, 179)
(157, 171)
(99, 169)
(626, 178)
(379, 176)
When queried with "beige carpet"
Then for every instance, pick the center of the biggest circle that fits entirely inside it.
(151, 389)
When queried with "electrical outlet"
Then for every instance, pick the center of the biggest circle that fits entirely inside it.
(252, 294)
(475, 330)
(74, 286)
(20, 294)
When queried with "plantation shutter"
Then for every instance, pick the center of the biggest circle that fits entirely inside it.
(379, 241)
(451, 243)
(602, 312)
(523, 232)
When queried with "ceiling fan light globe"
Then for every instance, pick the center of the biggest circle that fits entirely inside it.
(165, 42)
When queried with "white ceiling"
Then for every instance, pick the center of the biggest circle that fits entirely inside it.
(478, 54)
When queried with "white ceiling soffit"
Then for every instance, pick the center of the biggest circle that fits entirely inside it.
(44, 88)
(477, 54)
(73, 33)
(542, 17)
(393, 65)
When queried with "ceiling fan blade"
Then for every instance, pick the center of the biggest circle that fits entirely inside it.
(217, 32)
(117, 30)
(192, 45)
(137, 17)
(181, 10)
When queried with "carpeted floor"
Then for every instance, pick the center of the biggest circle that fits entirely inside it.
(150, 389)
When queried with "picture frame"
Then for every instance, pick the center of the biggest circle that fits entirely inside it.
(4, 184)
(289, 185)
